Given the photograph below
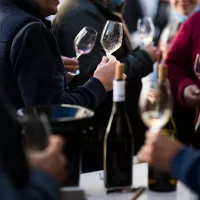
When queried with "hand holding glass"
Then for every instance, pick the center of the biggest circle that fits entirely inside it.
(111, 38)
(146, 30)
(84, 43)
(155, 104)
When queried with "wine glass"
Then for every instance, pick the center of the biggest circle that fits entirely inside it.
(84, 43)
(197, 66)
(146, 30)
(37, 130)
(155, 104)
(111, 37)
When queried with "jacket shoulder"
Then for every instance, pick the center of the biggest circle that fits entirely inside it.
(12, 20)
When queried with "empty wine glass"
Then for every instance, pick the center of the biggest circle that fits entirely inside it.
(37, 130)
(146, 30)
(197, 66)
(111, 38)
(84, 43)
(155, 104)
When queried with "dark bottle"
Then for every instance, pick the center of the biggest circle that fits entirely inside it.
(118, 141)
(160, 181)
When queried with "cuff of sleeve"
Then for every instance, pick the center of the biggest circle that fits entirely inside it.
(41, 180)
(183, 84)
(97, 88)
(182, 162)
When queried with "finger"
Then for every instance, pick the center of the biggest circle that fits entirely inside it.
(69, 77)
(195, 91)
(104, 60)
(56, 144)
(112, 59)
(71, 68)
(124, 76)
(70, 61)
(63, 160)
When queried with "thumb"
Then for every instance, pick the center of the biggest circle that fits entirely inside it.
(104, 60)
(195, 90)
(56, 144)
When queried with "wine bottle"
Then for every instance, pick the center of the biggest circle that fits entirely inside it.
(118, 141)
(160, 181)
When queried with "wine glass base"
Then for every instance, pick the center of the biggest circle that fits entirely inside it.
(74, 74)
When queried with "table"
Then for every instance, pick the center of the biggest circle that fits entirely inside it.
(94, 187)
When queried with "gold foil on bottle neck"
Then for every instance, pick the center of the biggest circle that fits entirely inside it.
(119, 70)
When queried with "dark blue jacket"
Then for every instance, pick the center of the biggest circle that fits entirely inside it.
(31, 69)
(186, 168)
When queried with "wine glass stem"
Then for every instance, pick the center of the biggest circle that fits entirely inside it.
(154, 130)
(77, 56)
(108, 54)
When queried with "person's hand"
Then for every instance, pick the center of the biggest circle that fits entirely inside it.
(159, 151)
(51, 160)
(192, 96)
(70, 65)
(105, 72)
(152, 51)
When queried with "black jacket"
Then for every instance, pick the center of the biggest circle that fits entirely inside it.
(31, 69)
(71, 18)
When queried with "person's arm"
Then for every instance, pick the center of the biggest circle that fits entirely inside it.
(137, 63)
(185, 166)
(179, 61)
(39, 72)
(40, 187)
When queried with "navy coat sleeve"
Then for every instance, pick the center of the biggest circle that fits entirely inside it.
(40, 75)
(186, 168)
(40, 187)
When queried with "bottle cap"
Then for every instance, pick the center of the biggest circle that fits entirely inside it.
(162, 72)
(119, 70)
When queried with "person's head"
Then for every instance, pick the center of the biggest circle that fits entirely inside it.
(184, 7)
(115, 5)
(44, 7)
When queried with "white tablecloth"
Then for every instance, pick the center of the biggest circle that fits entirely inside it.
(94, 188)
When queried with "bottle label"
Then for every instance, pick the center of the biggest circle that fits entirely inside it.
(119, 91)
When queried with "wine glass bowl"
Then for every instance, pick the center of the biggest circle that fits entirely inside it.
(146, 30)
(112, 36)
(197, 66)
(155, 104)
(84, 43)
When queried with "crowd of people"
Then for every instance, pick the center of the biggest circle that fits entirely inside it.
(36, 56)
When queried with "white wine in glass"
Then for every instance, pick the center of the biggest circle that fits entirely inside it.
(146, 30)
(156, 103)
(112, 36)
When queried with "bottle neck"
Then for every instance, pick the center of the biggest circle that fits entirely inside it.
(119, 95)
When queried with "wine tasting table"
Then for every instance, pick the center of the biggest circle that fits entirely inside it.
(94, 188)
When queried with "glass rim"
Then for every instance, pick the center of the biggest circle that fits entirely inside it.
(90, 30)
(116, 22)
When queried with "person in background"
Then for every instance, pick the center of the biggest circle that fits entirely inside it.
(133, 11)
(31, 69)
(77, 14)
(168, 155)
(162, 18)
(180, 12)
(183, 80)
